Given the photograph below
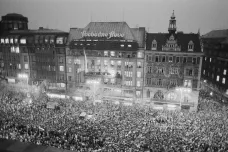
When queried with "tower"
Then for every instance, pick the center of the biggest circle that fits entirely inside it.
(172, 24)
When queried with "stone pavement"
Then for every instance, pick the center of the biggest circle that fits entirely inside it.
(16, 146)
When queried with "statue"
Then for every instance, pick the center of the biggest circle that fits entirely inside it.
(159, 95)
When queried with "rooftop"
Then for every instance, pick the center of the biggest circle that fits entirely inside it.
(217, 34)
(14, 14)
(132, 34)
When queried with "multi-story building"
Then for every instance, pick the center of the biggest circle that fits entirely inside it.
(112, 53)
(215, 63)
(34, 55)
(172, 60)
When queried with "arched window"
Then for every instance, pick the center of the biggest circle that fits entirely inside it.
(190, 46)
(154, 45)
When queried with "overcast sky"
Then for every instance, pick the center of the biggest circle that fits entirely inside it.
(152, 14)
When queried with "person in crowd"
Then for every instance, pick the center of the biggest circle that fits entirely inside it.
(114, 127)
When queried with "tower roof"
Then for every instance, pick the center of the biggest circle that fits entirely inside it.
(14, 14)
(173, 16)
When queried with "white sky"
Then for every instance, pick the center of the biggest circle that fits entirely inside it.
(152, 14)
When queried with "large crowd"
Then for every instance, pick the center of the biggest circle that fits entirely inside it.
(113, 127)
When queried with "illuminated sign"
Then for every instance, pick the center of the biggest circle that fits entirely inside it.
(112, 34)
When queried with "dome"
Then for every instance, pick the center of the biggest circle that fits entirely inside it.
(14, 14)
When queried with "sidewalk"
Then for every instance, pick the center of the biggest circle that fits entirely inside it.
(16, 146)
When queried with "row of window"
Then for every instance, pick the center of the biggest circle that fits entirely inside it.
(98, 62)
(160, 82)
(41, 39)
(89, 44)
(177, 59)
(113, 54)
(17, 66)
(224, 72)
(165, 82)
(171, 45)
(217, 77)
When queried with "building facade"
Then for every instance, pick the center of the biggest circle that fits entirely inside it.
(109, 53)
(215, 63)
(172, 68)
(13, 21)
(34, 56)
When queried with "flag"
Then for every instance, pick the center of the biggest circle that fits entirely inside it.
(86, 69)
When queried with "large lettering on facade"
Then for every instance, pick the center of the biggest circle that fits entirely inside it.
(112, 34)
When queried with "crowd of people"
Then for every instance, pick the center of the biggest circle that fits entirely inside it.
(113, 126)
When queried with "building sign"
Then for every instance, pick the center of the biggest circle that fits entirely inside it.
(112, 34)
